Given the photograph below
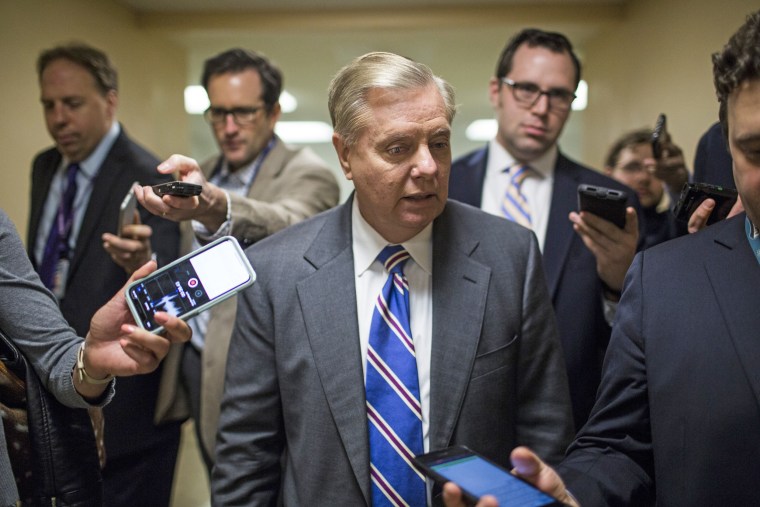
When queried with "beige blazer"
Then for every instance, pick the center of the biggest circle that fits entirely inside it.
(292, 184)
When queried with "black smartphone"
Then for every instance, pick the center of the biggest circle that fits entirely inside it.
(191, 284)
(693, 194)
(178, 188)
(478, 476)
(127, 209)
(603, 202)
(658, 135)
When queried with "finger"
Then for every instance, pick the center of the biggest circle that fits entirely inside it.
(146, 341)
(452, 495)
(143, 360)
(526, 463)
(177, 329)
(143, 271)
(698, 219)
(177, 164)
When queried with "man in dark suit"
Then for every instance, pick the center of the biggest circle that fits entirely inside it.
(531, 93)
(299, 430)
(677, 418)
(82, 260)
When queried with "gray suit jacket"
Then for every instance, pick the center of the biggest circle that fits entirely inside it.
(293, 427)
(292, 184)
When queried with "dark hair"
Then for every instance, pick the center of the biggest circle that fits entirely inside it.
(93, 60)
(533, 37)
(237, 60)
(739, 61)
(643, 136)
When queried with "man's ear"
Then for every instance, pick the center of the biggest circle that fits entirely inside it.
(494, 88)
(343, 151)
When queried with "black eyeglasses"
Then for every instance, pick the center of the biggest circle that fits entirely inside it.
(528, 94)
(240, 115)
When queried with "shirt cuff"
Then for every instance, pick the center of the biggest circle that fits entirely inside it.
(206, 236)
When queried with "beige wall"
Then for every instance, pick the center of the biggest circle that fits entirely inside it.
(657, 59)
(151, 80)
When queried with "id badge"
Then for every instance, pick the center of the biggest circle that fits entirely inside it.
(59, 280)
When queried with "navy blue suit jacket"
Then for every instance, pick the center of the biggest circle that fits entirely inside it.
(678, 412)
(574, 286)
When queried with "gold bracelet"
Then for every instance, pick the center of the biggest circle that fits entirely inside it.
(83, 375)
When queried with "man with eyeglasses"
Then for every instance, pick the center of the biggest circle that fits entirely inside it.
(522, 175)
(631, 161)
(255, 187)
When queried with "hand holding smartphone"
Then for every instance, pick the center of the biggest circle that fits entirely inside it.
(659, 135)
(478, 476)
(603, 202)
(191, 284)
(693, 194)
(177, 188)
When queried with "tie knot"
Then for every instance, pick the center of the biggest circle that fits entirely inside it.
(393, 258)
(71, 172)
(519, 173)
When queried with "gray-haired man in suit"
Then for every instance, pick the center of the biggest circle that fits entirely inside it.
(294, 425)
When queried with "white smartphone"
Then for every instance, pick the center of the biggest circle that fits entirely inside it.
(191, 284)
(127, 209)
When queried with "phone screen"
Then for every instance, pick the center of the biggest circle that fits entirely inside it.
(481, 477)
(190, 283)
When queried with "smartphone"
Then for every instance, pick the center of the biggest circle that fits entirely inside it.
(603, 202)
(178, 188)
(191, 284)
(127, 209)
(478, 476)
(693, 194)
(658, 135)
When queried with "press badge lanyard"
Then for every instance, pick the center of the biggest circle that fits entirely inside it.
(217, 177)
(754, 241)
(65, 225)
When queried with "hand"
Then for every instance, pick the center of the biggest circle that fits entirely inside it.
(530, 467)
(209, 208)
(527, 466)
(671, 167)
(452, 497)
(132, 249)
(613, 247)
(116, 346)
(698, 219)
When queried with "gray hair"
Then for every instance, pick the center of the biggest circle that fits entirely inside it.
(347, 94)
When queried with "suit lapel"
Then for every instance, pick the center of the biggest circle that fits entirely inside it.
(559, 235)
(100, 199)
(456, 278)
(734, 275)
(333, 334)
(43, 176)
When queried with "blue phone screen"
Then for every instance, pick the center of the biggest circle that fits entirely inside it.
(480, 477)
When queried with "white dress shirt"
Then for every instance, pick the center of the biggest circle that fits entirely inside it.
(370, 276)
(537, 188)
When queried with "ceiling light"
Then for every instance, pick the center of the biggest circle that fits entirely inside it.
(581, 96)
(304, 131)
(481, 130)
(196, 100)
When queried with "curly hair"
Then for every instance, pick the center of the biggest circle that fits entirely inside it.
(738, 61)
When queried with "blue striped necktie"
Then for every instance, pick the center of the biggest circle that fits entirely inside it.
(515, 205)
(393, 395)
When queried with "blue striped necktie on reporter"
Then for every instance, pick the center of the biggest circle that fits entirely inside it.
(515, 205)
(393, 395)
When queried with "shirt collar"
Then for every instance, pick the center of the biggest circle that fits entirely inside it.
(499, 159)
(367, 244)
(90, 166)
